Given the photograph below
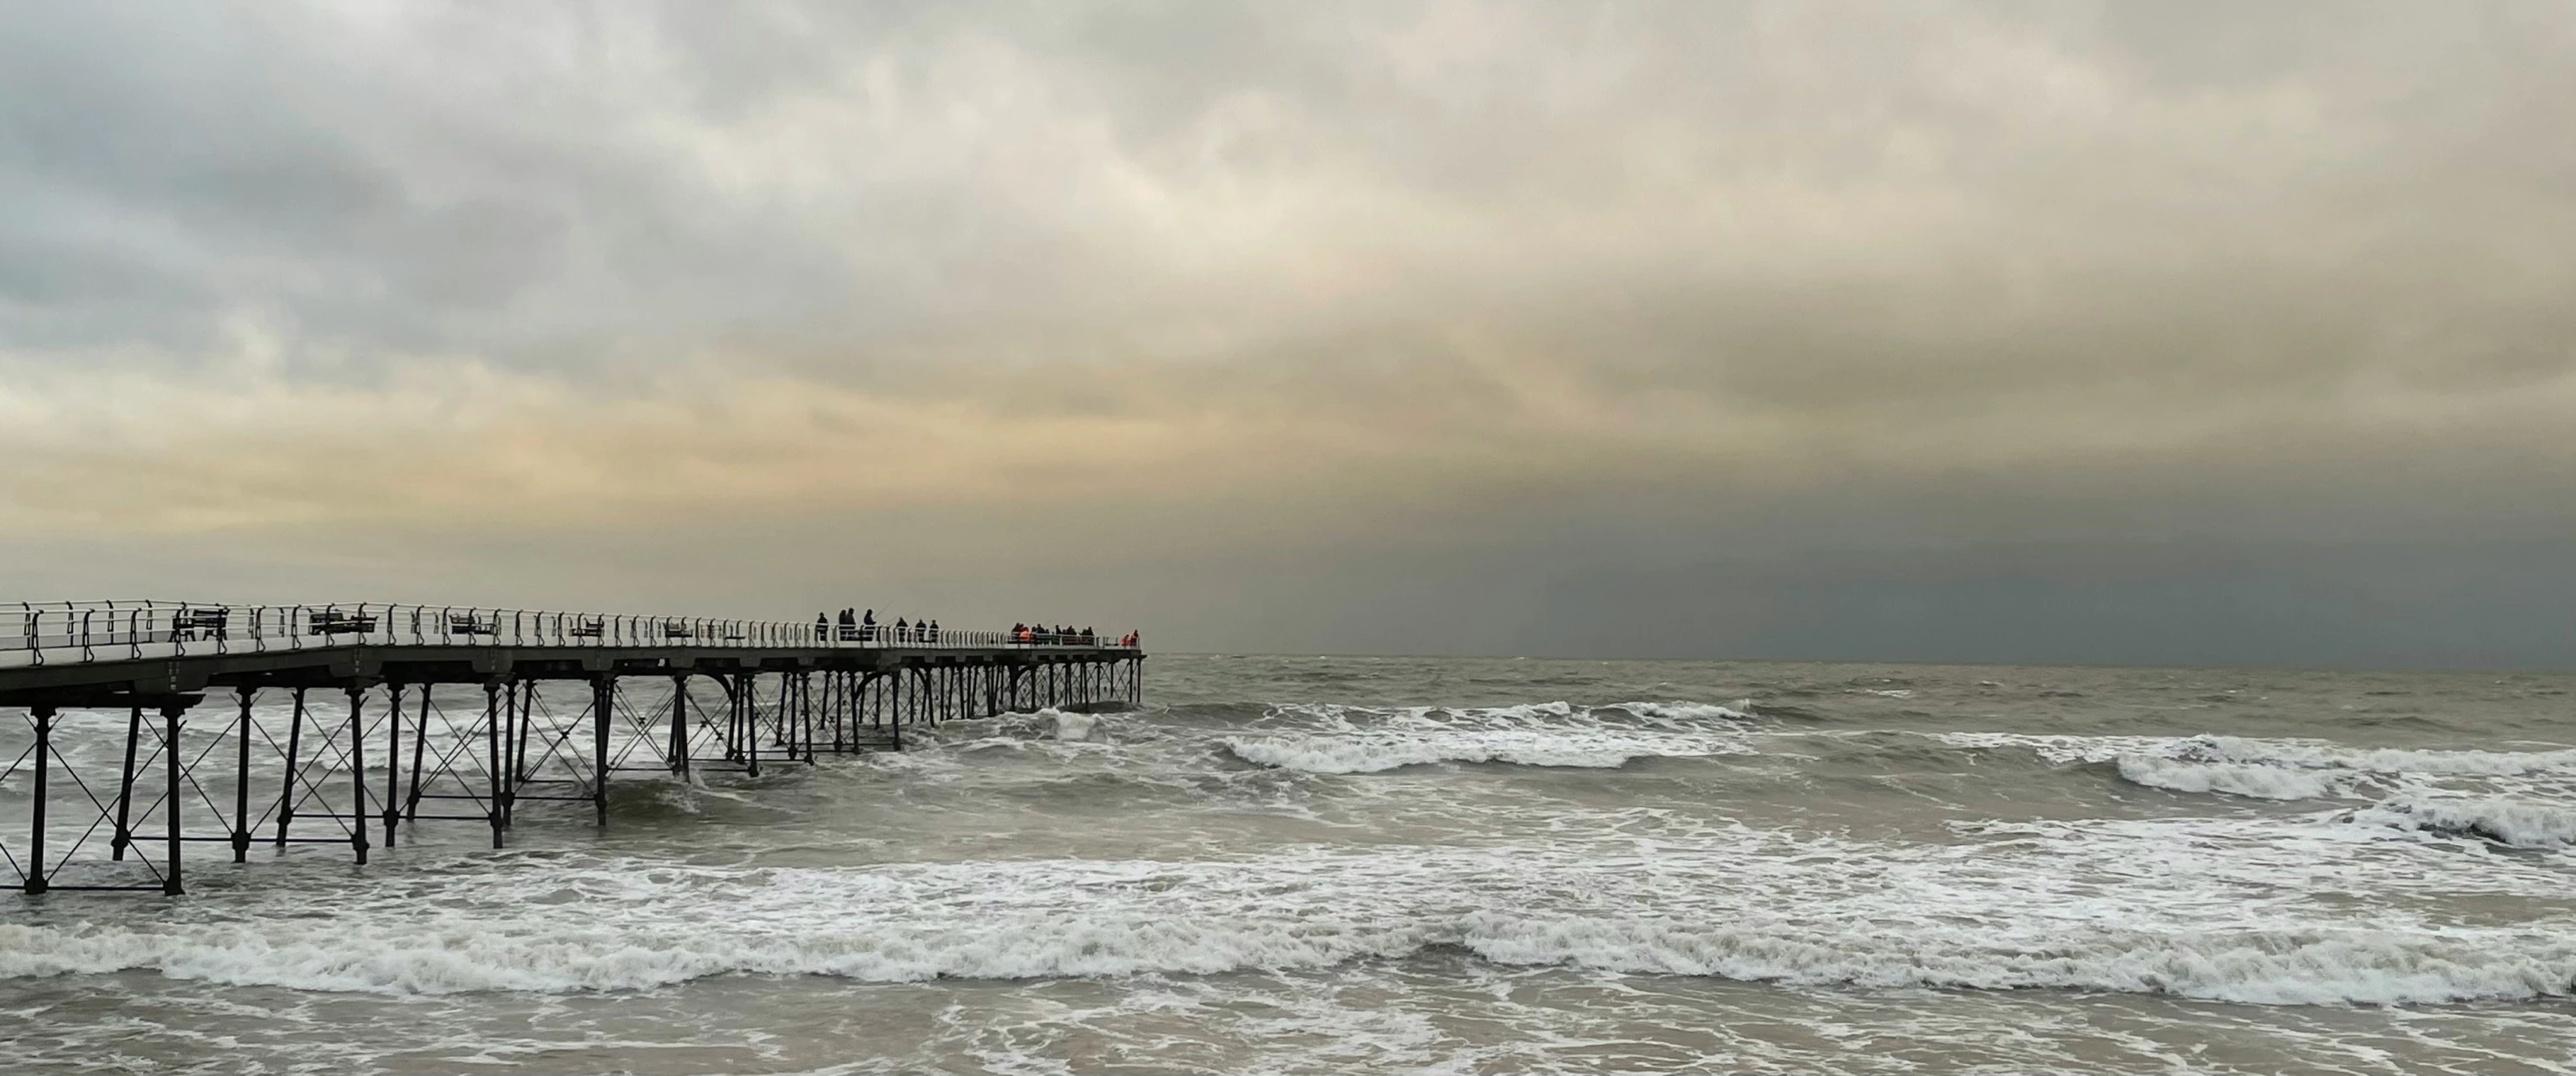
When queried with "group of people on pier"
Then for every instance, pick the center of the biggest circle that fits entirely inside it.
(1061, 635)
(855, 626)
(860, 626)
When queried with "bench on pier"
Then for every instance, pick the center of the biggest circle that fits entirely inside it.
(333, 622)
(201, 623)
(587, 629)
(467, 625)
(675, 631)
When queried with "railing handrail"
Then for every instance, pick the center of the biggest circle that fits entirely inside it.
(76, 631)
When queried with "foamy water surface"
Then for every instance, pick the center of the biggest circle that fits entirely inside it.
(1339, 864)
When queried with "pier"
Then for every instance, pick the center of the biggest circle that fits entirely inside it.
(154, 726)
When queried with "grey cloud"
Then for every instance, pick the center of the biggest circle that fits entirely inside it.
(2001, 330)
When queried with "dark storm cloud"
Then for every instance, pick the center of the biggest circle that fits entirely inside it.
(1928, 330)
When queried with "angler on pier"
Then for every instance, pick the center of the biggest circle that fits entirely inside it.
(378, 718)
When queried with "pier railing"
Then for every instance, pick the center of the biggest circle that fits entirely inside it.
(81, 632)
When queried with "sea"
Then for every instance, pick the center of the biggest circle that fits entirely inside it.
(1321, 864)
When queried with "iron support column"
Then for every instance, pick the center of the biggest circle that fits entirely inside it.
(393, 760)
(294, 775)
(603, 699)
(358, 771)
(124, 833)
(44, 716)
(492, 755)
(746, 701)
(171, 713)
(420, 747)
(241, 778)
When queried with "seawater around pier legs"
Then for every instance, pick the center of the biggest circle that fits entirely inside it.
(520, 749)
(1306, 865)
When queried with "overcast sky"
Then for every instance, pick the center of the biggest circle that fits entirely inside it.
(2145, 332)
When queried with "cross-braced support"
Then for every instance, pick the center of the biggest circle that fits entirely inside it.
(285, 767)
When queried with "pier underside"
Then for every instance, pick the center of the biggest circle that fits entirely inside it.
(131, 754)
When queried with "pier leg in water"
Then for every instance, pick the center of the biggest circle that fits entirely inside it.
(526, 721)
(43, 716)
(603, 700)
(805, 713)
(419, 747)
(125, 785)
(241, 778)
(393, 759)
(357, 690)
(733, 717)
(171, 714)
(679, 756)
(286, 796)
(747, 701)
(492, 754)
(508, 788)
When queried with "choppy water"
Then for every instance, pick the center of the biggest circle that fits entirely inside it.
(1331, 865)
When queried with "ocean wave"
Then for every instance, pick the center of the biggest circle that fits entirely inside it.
(1359, 740)
(2324, 966)
(2509, 822)
(2316, 755)
(2269, 769)
(2259, 967)
(1375, 753)
(1662, 714)
(2299, 754)
(2235, 779)
(2180, 906)
(1739, 710)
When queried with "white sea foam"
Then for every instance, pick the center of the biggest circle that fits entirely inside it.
(2317, 755)
(2305, 968)
(1739, 710)
(2205, 907)
(2303, 754)
(2062, 750)
(2271, 769)
(2321, 967)
(2505, 821)
(1362, 740)
(1363, 753)
(1936, 920)
(2236, 779)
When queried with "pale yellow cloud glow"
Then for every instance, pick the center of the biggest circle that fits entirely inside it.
(1564, 292)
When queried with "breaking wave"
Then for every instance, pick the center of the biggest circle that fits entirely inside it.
(2271, 769)
(1352, 740)
(2311, 755)
(2233, 778)
(2323, 966)
(2503, 821)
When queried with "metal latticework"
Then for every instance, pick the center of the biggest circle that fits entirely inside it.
(350, 724)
